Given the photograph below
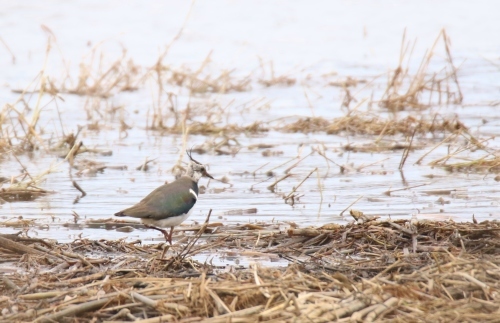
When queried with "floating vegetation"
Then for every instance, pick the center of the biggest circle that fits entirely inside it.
(272, 79)
(347, 82)
(369, 124)
(23, 187)
(382, 145)
(372, 124)
(488, 163)
(11, 194)
(311, 124)
(198, 82)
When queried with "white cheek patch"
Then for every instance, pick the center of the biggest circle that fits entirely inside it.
(194, 194)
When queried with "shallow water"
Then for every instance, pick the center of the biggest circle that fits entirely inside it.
(359, 39)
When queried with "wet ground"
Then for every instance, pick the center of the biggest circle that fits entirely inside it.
(288, 62)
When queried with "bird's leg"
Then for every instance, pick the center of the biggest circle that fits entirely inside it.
(171, 231)
(165, 233)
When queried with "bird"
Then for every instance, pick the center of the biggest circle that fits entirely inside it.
(170, 204)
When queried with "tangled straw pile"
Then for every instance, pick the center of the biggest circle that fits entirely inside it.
(387, 270)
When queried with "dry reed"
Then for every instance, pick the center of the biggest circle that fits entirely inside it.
(365, 271)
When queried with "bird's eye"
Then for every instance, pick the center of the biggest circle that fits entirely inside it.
(202, 169)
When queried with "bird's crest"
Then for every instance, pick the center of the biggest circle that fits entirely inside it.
(190, 153)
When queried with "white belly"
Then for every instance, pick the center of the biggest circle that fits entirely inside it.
(168, 222)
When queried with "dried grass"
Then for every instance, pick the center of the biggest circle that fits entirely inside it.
(367, 124)
(305, 125)
(101, 79)
(365, 271)
(425, 87)
(198, 82)
(271, 79)
(389, 270)
(463, 154)
(489, 163)
(360, 123)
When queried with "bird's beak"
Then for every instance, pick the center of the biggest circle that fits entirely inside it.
(207, 175)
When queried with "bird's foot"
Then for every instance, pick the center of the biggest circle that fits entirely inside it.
(168, 237)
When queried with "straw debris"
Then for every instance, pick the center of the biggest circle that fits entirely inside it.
(424, 88)
(362, 123)
(364, 271)
(198, 82)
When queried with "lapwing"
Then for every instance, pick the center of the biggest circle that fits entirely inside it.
(170, 204)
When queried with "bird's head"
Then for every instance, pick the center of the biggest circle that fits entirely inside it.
(195, 169)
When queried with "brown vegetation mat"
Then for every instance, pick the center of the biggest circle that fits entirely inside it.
(367, 271)
(371, 124)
